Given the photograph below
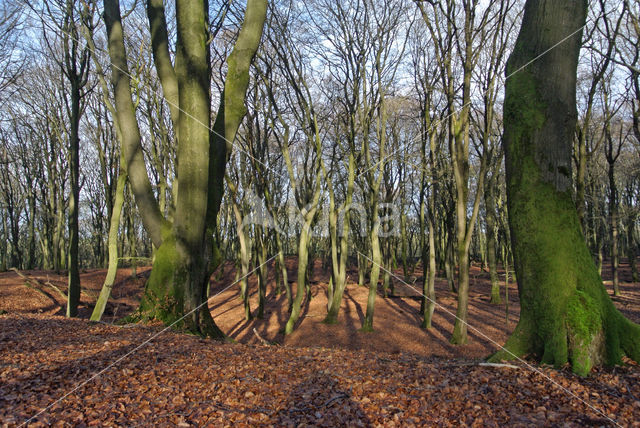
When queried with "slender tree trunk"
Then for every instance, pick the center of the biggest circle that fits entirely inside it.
(490, 208)
(31, 239)
(58, 240)
(449, 264)
(340, 244)
(284, 276)
(261, 253)
(405, 245)
(73, 291)
(112, 243)
(133, 243)
(362, 269)
(376, 262)
(430, 289)
(281, 266)
(424, 255)
(388, 284)
(245, 257)
(632, 248)
(459, 336)
(613, 219)
(303, 261)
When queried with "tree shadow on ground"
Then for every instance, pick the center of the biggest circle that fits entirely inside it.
(319, 400)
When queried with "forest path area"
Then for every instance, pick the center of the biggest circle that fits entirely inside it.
(320, 375)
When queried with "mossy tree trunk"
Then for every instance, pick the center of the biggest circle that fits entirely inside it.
(186, 252)
(303, 262)
(566, 314)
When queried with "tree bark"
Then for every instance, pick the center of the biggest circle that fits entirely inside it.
(566, 313)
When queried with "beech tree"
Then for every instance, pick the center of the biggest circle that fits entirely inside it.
(186, 251)
(67, 17)
(566, 313)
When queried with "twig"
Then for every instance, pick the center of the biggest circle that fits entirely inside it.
(32, 287)
(509, 366)
(482, 364)
(264, 342)
(335, 398)
(40, 283)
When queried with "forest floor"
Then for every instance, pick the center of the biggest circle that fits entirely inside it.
(74, 373)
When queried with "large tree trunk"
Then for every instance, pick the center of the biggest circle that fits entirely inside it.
(566, 314)
(186, 254)
(152, 219)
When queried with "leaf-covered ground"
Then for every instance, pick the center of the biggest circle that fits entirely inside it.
(186, 381)
(319, 376)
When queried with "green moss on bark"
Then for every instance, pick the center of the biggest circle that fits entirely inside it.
(162, 299)
(584, 327)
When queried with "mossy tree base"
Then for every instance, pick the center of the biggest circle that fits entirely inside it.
(166, 294)
(592, 332)
(366, 329)
(496, 298)
(330, 320)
